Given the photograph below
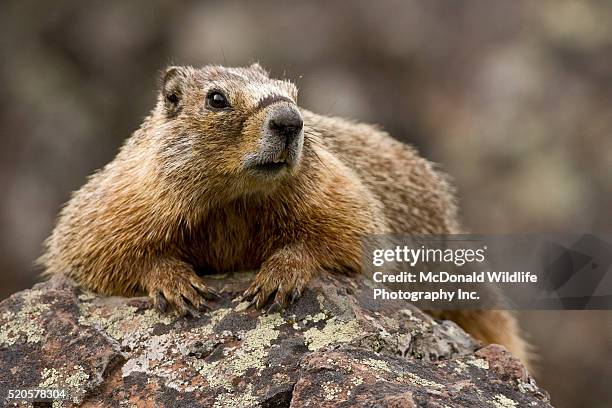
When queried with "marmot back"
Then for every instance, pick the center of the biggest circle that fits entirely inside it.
(228, 173)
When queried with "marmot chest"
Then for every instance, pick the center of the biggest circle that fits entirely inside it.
(229, 241)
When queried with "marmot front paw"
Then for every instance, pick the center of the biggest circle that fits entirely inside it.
(286, 289)
(284, 275)
(179, 290)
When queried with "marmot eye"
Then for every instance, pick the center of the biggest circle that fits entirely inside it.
(217, 100)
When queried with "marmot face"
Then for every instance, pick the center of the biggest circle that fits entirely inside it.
(236, 125)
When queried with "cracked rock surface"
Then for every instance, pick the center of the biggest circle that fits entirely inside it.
(335, 347)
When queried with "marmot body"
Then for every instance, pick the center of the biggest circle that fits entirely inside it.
(227, 173)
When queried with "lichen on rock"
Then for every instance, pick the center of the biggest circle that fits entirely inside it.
(333, 346)
(334, 332)
(24, 322)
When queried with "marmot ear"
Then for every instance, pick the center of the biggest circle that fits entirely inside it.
(172, 89)
(256, 67)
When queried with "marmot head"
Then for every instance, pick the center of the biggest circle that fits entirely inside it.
(231, 125)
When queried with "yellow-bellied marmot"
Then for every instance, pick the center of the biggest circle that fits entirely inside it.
(227, 173)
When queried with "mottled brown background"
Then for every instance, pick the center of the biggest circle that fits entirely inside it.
(513, 98)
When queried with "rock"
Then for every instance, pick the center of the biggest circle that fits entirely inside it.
(334, 347)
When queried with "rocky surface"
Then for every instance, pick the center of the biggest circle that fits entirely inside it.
(333, 347)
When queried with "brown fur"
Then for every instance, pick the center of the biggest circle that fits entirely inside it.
(177, 198)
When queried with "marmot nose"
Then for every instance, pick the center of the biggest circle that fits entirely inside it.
(286, 124)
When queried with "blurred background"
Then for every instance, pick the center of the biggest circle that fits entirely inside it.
(512, 98)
